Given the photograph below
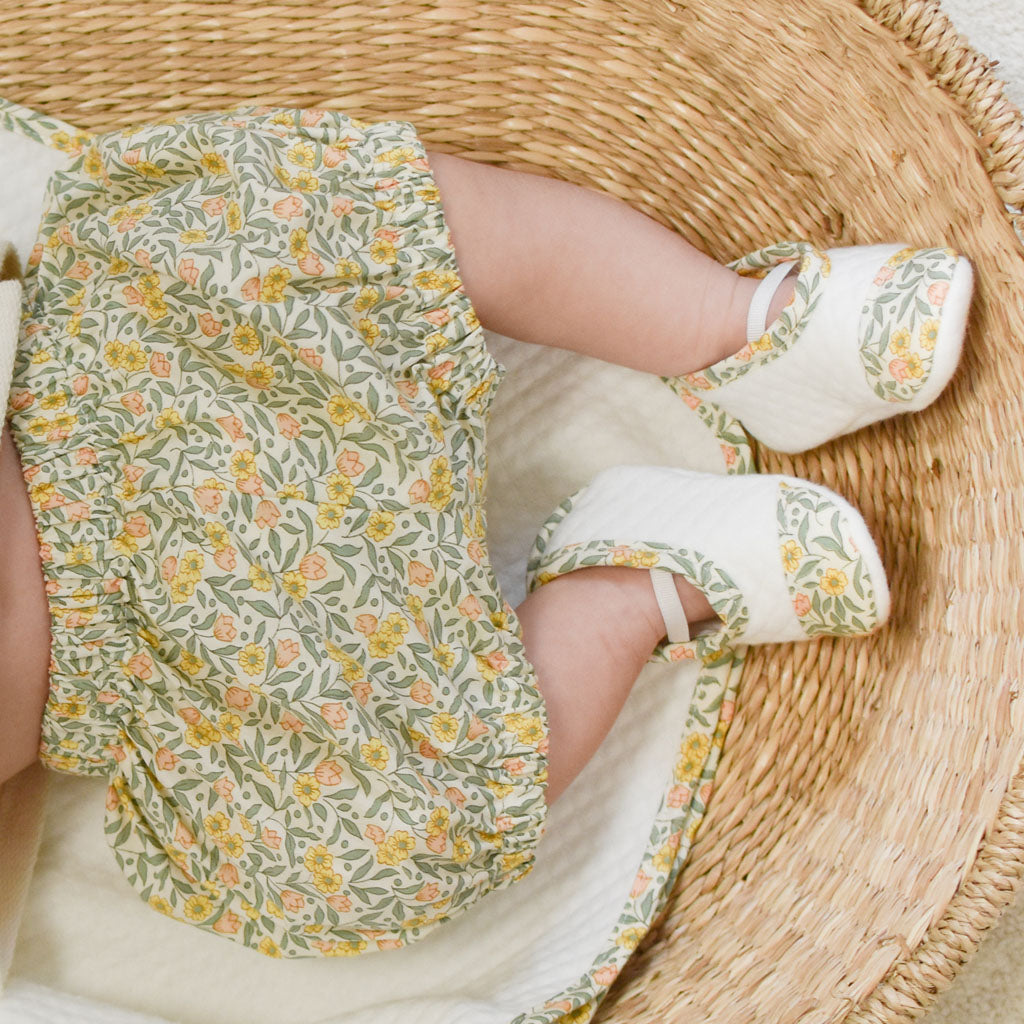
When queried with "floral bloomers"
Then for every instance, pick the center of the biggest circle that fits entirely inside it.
(250, 398)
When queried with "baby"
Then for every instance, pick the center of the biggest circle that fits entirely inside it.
(242, 485)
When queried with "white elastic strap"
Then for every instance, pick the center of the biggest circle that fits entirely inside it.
(757, 315)
(676, 626)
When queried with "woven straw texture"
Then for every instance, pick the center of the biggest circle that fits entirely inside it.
(868, 823)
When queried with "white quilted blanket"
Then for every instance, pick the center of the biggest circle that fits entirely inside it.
(88, 949)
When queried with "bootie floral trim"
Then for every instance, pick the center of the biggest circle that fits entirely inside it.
(721, 592)
(814, 267)
(900, 320)
(828, 577)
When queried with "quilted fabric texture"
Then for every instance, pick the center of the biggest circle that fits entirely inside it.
(872, 331)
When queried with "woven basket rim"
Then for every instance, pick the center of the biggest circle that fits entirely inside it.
(920, 976)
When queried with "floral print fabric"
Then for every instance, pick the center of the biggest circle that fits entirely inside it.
(250, 398)
(900, 320)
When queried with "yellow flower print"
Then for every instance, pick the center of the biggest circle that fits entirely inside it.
(629, 938)
(380, 645)
(181, 589)
(93, 163)
(340, 488)
(202, 734)
(230, 724)
(55, 400)
(217, 825)
(218, 536)
(243, 464)
(792, 554)
(435, 426)
(440, 496)
(929, 334)
(368, 296)
(190, 665)
(762, 344)
(307, 789)
(914, 366)
(318, 860)
(327, 881)
(347, 268)
(899, 343)
(833, 581)
(445, 726)
(113, 351)
(529, 729)
(305, 182)
(899, 258)
(348, 947)
(198, 908)
(42, 494)
(294, 584)
(395, 849)
(214, 163)
(245, 339)
(438, 822)
(290, 491)
(394, 627)
(159, 903)
(234, 217)
(272, 289)
(375, 754)
(664, 858)
(193, 235)
(298, 242)
(79, 554)
(383, 251)
(444, 655)
(168, 418)
(414, 604)
(692, 755)
(268, 947)
(260, 578)
(380, 524)
(329, 515)
(191, 567)
(398, 155)
(462, 850)
(339, 408)
(500, 789)
(252, 659)
(302, 154)
(369, 330)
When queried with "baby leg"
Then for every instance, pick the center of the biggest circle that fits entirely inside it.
(588, 634)
(556, 264)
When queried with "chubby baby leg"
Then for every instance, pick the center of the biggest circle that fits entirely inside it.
(557, 264)
(588, 634)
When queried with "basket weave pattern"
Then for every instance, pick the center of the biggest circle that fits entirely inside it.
(868, 822)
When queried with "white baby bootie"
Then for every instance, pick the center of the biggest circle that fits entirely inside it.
(872, 331)
(778, 558)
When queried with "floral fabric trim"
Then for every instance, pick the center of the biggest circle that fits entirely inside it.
(901, 318)
(827, 576)
(814, 267)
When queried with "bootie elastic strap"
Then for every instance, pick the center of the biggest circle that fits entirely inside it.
(677, 626)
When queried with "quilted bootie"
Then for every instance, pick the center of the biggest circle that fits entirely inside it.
(872, 331)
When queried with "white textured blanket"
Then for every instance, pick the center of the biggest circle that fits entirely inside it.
(89, 950)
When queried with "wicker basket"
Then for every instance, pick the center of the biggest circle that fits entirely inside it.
(868, 824)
